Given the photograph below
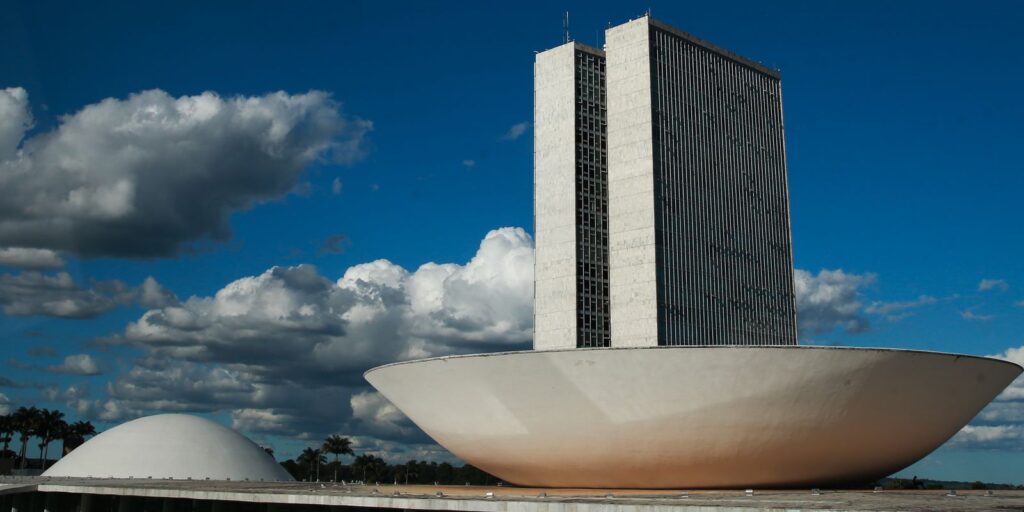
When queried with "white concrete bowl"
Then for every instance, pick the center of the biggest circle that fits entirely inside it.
(693, 417)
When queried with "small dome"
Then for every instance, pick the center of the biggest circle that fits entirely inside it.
(170, 446)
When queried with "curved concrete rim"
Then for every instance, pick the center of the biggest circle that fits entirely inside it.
(684, 347)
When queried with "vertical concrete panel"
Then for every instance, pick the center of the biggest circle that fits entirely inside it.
(554, 158)
(631, 229)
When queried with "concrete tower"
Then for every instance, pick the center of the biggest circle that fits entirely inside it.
(570, 199)
(699, 235)
(661, 197)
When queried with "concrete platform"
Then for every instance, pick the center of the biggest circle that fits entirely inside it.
(67, 494)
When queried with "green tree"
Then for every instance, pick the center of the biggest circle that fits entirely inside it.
(6, 432)
(314, 459)
(373, 468)
(74, 435)
(26, 423)
(337, 445)
(51, 426)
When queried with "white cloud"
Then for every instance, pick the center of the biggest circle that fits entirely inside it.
(469, 164)
(152, 294)
(993, 284)
(30, 259)
(336, 186)
(989, 436)
(1015, 391)
(1001, 424)
(146, 175)
(15, 120)
(77, 364)
(515, 131)
(5, 404)
(34, 293)
(895, 311)
(378, 416)
(284, 351)
(830, 300)
(971, 316)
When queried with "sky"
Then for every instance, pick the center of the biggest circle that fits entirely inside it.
(236, 209)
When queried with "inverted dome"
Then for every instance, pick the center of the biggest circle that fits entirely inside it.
(693, 417)
(170, 446)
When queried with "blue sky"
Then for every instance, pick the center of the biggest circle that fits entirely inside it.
(902, 126)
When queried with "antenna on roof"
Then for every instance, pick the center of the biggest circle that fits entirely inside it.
(565, 27)
(648, 13)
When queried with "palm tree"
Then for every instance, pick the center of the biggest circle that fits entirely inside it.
(26, 421)
(74, 435)
(51, 427)
(312, 456)
(6, 432)
(337, 445)
(371, 464)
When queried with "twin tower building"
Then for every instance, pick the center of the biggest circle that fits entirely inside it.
(661, 197)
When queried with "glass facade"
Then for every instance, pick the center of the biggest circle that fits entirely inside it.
(592, 311)
(723, 243)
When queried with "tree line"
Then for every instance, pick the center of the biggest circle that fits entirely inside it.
(312, 465)
(46, 425)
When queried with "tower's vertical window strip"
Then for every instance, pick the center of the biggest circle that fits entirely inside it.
(592, 300)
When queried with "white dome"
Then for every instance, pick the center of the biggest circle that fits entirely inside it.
(170, 446)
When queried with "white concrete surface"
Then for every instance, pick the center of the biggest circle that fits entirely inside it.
(632, 260)
(179, 495)
(170, 446)
(554, 164)
(693, 417)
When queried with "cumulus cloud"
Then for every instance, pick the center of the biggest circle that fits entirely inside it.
(989, 436)
(15, 120)
(146, 175)
(284, 351)
(5, 404)
(993, 284)
(895, 311)
(77, 364)
(1015, 392)
(152, 294)
(379, 417)
(515, 131)
(1001, 424)
(30, 259)
(58, 295)
(35, 293)
(830, 300)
